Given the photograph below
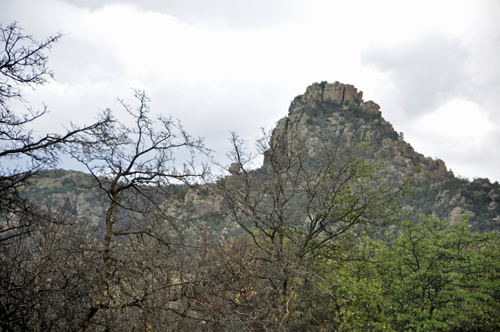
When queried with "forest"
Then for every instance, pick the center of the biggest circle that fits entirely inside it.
(317, 239)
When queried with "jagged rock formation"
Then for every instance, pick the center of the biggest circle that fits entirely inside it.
(336, 92)
(56, 189)
(234, 168)
(338, 110)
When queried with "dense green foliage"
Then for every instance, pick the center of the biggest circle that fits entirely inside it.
(432, 277)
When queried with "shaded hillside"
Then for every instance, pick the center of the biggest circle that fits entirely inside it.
(61, 188)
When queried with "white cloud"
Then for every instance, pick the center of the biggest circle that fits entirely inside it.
(460, 134)
(427, 72)
(215, 14)
(226, 65)
(460, 120)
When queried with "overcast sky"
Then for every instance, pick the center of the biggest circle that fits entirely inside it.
(221, 65)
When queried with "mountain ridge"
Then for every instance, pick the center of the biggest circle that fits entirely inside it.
(336, 111)
(330, 103)
(339, 109)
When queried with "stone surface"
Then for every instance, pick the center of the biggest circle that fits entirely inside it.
(301, 122)
(202, 201)
(441, 167)
(334, 93)
(371, 106)
(457, 213)
(351, 94)
(235, 168)
(313, 93)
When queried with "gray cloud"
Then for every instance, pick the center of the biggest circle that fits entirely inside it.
(77, 60)
(218, 14)
(426, 72)
(434, 69)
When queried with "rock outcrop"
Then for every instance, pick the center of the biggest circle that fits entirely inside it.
(335, 92)
(338, 110)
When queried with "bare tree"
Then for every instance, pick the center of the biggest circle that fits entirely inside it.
(55, 274)
(23, 63)
(304, 201)
(138, 269)
(135, 169)
(31, 238)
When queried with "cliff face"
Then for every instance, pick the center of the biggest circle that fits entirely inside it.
(336, 92)
(338, 111)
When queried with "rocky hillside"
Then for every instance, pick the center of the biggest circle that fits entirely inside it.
(58, 189)
(338, 110)
(332, 111)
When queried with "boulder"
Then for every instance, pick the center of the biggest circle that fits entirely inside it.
(235, 169)
(334, 92)
(313, 93)
(371, 106)
(351, 94)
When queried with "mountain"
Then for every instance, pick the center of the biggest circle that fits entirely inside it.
(332, 111)
(338, 110)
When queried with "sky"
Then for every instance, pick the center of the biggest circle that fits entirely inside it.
(235, 65)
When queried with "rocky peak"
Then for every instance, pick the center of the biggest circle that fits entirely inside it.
(337, 93)
(338, 109)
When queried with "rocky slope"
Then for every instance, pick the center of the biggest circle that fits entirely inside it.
(338, 110)
(58, 189)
